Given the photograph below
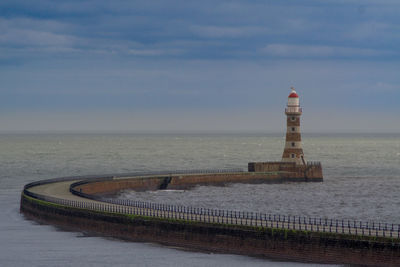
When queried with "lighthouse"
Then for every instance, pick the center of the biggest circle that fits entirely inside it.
(293, 151)
(293, 166)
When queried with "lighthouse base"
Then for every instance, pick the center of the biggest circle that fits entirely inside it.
(312, 171)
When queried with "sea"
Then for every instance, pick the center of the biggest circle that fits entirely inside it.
(361, 182)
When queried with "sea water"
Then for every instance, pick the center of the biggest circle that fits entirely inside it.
(361, 182)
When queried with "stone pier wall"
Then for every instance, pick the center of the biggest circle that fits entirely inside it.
(180, 181)
(311, 172)
(287, 245)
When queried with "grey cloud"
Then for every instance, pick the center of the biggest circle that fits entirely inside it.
(198, 121)
(189, 29)
(322, 51)
(374, 32)
(204, 55)
(229, 32)
(28, 33)
(36, 38)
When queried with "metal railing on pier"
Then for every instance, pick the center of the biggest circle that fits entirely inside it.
(215, 216)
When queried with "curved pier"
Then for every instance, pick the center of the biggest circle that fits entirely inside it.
(78, 203)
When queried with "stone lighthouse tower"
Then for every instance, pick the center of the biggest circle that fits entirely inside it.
(293, 151)
(293, 166)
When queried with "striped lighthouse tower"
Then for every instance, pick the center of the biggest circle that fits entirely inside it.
(293, 151)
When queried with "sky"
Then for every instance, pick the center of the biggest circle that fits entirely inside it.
(198, 66)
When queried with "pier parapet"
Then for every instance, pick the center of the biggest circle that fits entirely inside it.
(311, 171)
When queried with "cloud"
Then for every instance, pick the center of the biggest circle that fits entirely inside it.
(154, 52)
(35, 38)
(28, 33)
(374, 32)
(321, 51)
(227, 31)
(146, 55)
(22, 36)
(198, 121)
(194, 30)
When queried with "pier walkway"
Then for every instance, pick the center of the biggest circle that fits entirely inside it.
(59, 192)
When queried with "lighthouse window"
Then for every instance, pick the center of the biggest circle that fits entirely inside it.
(293, 144)
(293, 155)
(293, 129)
(293, 118)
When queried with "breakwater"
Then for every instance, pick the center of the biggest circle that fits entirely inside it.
(280, 237)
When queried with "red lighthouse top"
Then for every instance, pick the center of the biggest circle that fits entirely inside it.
(293, 94)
